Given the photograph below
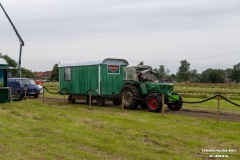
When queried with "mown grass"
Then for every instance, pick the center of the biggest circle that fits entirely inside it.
(56, 130)
(207, 88)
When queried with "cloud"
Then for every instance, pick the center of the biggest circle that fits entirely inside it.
(155, 31)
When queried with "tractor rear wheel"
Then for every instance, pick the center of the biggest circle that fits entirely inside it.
(177, 105)
(129, 96)
(154, 102)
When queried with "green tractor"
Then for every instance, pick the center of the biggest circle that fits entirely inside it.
(142, 87)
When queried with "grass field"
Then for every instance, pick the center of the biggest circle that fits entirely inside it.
(33, 130)
(208, 88)
(57, 130)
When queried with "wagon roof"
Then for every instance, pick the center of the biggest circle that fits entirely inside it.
(109, 61)
(114, 61)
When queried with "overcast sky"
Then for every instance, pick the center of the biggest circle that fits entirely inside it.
(159, 32)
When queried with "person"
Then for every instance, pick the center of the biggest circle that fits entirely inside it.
(140, 77)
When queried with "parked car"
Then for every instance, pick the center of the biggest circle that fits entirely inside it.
(46, 80)
(17, 85)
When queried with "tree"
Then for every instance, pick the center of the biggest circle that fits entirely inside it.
(194, 76)
(228, 72)
(12, 63)
(172, 78)
(26, 73)
(14, 72)
(162, 72)
(213, 76)
(55, 73)
(183, 73)
(235, 73)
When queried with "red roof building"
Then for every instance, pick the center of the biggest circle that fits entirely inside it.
(43, 75)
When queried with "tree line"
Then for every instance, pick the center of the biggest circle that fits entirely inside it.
(184, 73)
(14, 72)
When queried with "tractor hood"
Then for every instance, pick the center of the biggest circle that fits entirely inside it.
(146, 87)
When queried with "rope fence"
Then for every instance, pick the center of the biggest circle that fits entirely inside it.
(90, 92)
(66, 91)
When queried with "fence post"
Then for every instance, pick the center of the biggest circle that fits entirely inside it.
(123, 101)
(163, 104)
(64, 95)
(10, 93)
(90, 100)
(25, 96)
(43, 93)
(218, 108)
(25, 92)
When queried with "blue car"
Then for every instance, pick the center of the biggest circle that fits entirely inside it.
(18, 86)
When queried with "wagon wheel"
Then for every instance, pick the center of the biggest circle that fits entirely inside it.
(129, 95)
(70, 100)
(176, 105)
(116, 101)
(100, 101)
(154, 102)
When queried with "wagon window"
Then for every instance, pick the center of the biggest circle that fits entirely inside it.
(67, 74)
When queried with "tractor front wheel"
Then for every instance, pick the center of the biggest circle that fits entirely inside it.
(176, 105)
(154, 102)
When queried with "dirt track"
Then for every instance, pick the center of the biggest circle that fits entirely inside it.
(183, 112)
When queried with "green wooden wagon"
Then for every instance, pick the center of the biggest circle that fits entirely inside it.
(103, 80)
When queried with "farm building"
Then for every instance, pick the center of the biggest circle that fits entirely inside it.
(43, 75)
